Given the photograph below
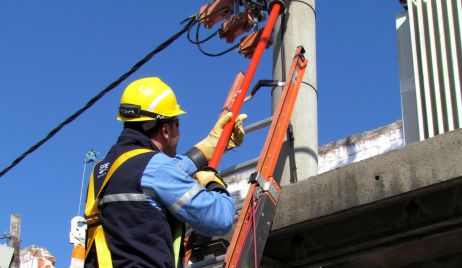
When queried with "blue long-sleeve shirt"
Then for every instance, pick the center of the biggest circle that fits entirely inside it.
(168, 184)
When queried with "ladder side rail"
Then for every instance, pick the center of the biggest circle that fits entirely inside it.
(264, 190)
(281, 118)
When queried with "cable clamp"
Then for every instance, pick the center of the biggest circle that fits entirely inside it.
(283, 4)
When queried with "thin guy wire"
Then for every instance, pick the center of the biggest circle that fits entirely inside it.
(81, 186)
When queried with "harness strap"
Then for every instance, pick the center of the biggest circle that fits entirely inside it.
(179, 227)
(96, 232)
(177, 239)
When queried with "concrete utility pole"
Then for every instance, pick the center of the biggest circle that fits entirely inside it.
(297, 27)
(15, 236)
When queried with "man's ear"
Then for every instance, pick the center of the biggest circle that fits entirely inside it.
(165, 131)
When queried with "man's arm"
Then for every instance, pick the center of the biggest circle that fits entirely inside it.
(209, 213)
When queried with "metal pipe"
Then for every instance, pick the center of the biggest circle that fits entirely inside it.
(252, 163)
(258, 125)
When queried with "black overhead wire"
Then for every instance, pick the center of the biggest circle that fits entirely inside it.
(198, 21)
(198, 42)
(190, 21)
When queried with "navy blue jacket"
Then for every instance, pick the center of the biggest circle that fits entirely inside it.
(139, 232)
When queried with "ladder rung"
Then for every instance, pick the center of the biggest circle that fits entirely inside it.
(234, 169)
(252, 162)
(258, 125)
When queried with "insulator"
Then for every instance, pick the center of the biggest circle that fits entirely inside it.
(216, 11)
(236, 26)
(248, 44)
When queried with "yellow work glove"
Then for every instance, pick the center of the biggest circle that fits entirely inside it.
(211, 180)
(207, 145)
(204, 178)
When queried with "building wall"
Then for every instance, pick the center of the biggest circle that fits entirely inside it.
(35, 257)
(429, 34)
(333, 155)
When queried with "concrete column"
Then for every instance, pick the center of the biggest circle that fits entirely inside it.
(407, 81)
(297, 26)
(15, 238)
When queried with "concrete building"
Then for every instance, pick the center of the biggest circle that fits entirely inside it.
(430, 58)
(35, 257)
(6, 255)
(398, 209)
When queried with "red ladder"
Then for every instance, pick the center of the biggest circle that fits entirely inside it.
(254, 224)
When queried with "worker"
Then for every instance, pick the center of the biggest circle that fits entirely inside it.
(136, 218)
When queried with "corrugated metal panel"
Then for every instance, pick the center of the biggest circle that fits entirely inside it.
(435, 28)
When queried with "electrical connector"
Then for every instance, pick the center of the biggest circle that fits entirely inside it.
(216, 11)
(236, 26)
(248, 44)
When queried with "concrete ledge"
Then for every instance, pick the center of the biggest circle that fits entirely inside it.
(381, 212)
(418, 165)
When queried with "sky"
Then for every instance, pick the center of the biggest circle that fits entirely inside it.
(56, 55)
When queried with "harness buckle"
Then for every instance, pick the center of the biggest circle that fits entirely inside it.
(93, 221)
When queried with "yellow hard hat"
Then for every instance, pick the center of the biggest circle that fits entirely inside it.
(148, 99)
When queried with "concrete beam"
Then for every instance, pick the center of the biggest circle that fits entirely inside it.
(388, 203)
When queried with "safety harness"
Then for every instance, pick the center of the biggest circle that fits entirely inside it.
(95, 233)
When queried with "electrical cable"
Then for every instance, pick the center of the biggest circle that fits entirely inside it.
(201, 41)
(198, 44)
(218, 54)
(290, 134)
(5, 236)
(311, 86)
(190, 21)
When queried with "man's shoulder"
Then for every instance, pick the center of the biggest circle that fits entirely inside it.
(161, 161)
